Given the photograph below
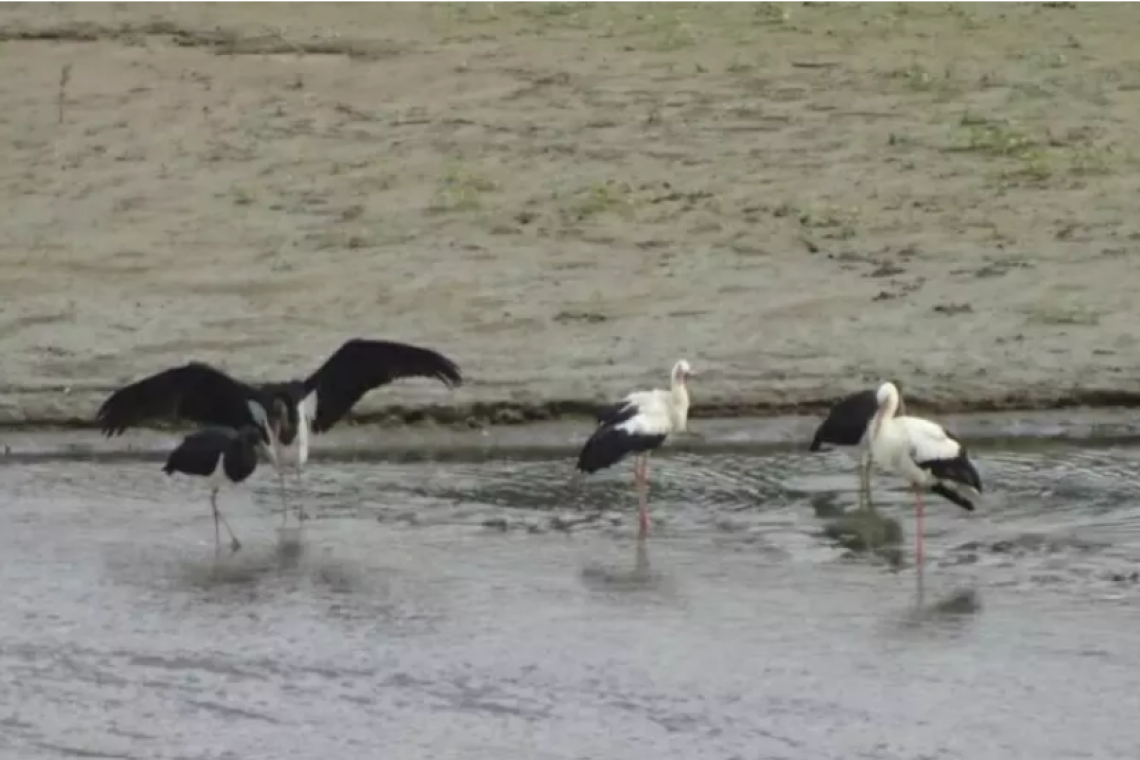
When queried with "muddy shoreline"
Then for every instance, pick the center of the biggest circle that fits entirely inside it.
(800, 200)
(16, 418)
(554, 439)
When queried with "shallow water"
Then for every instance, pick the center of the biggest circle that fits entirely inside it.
(493, 610)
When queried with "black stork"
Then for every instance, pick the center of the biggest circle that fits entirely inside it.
(223, 456)
(288, 412)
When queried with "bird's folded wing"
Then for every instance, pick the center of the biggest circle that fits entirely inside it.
(653, 417)
(928, 441)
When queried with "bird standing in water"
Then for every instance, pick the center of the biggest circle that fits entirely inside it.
(920, 451)
(288, 412)
(847, 425)
(637, 425)
(224, 456)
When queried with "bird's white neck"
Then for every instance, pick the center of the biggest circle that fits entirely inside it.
(891, 407)
(679, 406)
(887, 411)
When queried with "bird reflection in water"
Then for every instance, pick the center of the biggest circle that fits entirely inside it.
(639, 576)
(942, 611)
(290, 547)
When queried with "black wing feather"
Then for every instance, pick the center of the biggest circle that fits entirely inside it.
(361, 365)
(615, 414)
(958, 470)
(194, 391)
(847, 421)
(951, 495)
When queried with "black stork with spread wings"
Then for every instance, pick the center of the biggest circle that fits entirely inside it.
(287, 412)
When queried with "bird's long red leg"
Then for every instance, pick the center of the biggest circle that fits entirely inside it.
(919, 526)
(642, 496)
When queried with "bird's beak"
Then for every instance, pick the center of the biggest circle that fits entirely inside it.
(690, 373)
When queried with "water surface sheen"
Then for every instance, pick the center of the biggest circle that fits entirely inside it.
(493, 610)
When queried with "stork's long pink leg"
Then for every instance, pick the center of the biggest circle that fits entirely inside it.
(643, 513)
(641, 468)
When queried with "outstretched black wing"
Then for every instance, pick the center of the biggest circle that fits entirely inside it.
(361, 365)
(194, 391)
(847, 421)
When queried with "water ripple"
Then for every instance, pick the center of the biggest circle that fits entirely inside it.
(739, 629)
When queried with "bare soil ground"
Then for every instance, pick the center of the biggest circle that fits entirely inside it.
(800, 199)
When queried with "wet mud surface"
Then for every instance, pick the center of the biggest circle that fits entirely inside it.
(466, 609)
(1084, 427)
(800, 199)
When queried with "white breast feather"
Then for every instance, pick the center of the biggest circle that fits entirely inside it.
(928, 441)
(309, 406)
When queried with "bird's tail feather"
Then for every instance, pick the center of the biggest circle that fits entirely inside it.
(959, 470)
(966, 473)
(602, 450)
(950, 494)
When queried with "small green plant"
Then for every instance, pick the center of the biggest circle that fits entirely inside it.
(608, 196)
(840, 223)
(1062, 314)
(916, 77)
(1093, 160)
(461, 190)
(1033, 166)
(994, 138)
(243, 196)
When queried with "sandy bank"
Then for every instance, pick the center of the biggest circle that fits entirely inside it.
(799, 199)
(561, 440)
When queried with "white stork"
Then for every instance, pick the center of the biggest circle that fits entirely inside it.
(224, 456)
(290, 412)
(846, 425)
(923, 453)
(637, 425)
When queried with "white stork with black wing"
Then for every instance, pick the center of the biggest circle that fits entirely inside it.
(924, 454)
(639, 424)
(847, 425)
(288, 412)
